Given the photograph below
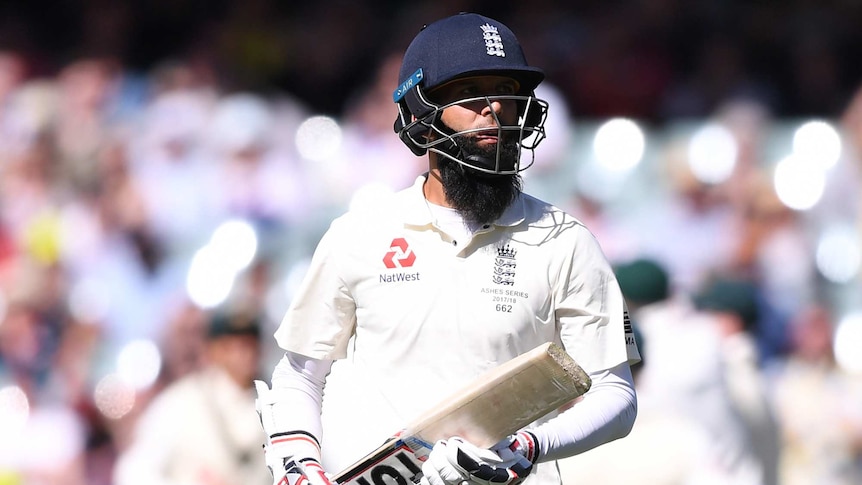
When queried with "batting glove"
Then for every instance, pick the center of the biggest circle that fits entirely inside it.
(522, 444)
(293, 456)
(454, 461)
(289, 465)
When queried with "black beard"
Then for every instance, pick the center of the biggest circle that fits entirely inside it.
(479, 197)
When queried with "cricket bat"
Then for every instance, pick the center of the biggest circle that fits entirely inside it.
(496, 404)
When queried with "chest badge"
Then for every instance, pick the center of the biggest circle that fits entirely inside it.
(399, 255)
(504, 266)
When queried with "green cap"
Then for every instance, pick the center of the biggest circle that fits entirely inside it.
(730, 295)
(643, 281)
(233, 323)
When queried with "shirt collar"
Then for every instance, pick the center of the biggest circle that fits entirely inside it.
(417, 213)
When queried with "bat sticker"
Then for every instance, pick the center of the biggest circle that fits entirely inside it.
(398, 462)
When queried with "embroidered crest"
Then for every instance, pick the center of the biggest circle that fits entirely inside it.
(493, 41)
(504, 266)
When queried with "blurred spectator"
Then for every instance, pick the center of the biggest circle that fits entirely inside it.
(373, 154)
(13, 132)
(663, 448)
(773, 245)
(686, 372)
(691, 229)
(735, 309)
(819, 406)
(169, 163)
(117, 264)
(87, 90)
(43, 436)
(203, 429)
(183, 343)
(850, 178)
(253, 180)
(13, 71)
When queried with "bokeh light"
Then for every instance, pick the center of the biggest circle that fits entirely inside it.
(847, 342)
(139, 363)
(597, 183)
(817, 142)
(235, 242)
(619, 144)
(712, 153)
(799, 185)
(215, 266)
(113, 396)
(209, 280)
(838, 255)
(318, 138)
(14, 411)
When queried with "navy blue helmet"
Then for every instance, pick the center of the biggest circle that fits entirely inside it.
(461, 46)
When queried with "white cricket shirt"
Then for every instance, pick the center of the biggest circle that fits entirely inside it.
(415, 314)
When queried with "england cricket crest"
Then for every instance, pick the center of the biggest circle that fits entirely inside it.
(504, 266)
(493, 41)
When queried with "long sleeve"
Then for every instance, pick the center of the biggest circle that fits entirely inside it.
(607, 412)
(297, 383)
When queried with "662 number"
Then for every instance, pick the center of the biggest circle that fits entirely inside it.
(503, 308)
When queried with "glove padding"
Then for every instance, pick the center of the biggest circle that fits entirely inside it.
(454, 461)
(293, 472)
(523, 443)
(291, 456)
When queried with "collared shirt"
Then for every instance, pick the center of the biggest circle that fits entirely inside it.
(418, 314)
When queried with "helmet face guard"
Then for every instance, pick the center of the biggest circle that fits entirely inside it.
(428, 133)
(467, 45)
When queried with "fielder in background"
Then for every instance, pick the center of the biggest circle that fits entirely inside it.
(409, 298)
(202, 428)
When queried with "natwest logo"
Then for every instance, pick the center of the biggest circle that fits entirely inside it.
(400, 256)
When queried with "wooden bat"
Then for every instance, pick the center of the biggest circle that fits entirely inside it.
(496, 404)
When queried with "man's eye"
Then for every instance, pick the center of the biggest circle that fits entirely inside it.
(470, 91)
(506, 89)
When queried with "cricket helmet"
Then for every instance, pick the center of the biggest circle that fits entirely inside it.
(460, 46)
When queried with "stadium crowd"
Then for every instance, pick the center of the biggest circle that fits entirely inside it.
(138, 208)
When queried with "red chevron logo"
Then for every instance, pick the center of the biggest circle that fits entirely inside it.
(400, 256)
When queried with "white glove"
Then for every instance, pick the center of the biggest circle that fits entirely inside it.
(521, 444)
(288, 463)
(454, 461)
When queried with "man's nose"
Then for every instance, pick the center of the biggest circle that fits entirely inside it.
(493, 107)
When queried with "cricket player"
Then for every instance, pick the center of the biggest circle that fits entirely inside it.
(410, 299)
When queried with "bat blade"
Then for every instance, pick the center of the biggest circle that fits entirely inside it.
(493, 406)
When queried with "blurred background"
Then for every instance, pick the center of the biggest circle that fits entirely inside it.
(164, 164)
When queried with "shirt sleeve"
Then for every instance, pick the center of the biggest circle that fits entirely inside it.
(322, 314)
(590, 309)
(299, 381)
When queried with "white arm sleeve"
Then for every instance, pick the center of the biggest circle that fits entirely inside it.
(299, 381)
(607, 412)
